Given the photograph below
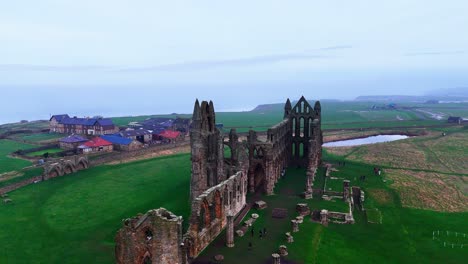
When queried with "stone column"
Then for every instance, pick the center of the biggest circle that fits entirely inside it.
(230, 231)
(324, 217)
(295, 226)
(276, 258)
(346, 193)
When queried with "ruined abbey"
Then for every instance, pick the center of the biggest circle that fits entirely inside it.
(224, 169)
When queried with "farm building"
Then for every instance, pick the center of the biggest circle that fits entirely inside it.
(72, 141)
(121, 143)
(455, 119)
(96, 144)
(141, 135)
(171, 136)
(83, 126)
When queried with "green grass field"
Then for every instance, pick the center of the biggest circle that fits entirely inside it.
(74, 219)
(41, 152)
(11, 164)
(42, 137)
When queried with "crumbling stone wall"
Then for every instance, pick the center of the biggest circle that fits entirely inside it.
(210, 211)
(60, 167)
(207, 146)
(268, 160)
(306, 126)
(155, 237)
(254, 165)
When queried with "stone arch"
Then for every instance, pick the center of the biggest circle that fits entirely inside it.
(302, 150)
(227, 151)
(205, 218)
(259, 153)
(259, 177)
(55, 171)
(218, 205)
(146, 258)
(301, 127)
(82, 164)
(226, 196)
(69, 168)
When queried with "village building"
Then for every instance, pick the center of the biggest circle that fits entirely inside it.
(83, 126)
(72, 141)
(171, 136)
(121, 143)
(96, 144)
(55, 125)
(142, 135)
(455, 119)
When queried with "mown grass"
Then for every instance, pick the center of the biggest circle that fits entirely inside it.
(42, 137)
(42, 152)
(12, 164)
(74, 219)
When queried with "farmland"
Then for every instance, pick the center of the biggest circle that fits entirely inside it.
(423, 189)
(10, 164)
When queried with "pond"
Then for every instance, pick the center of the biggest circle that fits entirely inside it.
(365, 141)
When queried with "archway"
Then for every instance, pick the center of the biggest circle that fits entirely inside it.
(68, 169)
(259, 178)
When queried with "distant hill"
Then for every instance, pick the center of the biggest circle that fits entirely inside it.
(412, 99)
(268, 107)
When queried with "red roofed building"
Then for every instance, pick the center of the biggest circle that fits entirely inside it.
(171, 135)
(96, 144)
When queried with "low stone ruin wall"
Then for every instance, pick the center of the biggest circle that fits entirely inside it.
(20, 184)
(124, 155)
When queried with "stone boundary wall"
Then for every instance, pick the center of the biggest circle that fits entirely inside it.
(134, 153)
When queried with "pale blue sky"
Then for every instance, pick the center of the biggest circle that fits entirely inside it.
(323, 49)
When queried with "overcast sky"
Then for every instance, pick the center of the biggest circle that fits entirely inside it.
(144, 53)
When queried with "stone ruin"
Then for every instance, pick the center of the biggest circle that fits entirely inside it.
(63, 166)
(155, 237)
(219, 184)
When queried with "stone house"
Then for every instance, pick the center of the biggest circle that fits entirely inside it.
(83, 126)
(171, 136)
(142, 135)
(55, 124)
(96, 144)
(72, 141)
(121, 143)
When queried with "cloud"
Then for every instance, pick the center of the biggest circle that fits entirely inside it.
(184, 66)
(434, 53)
(35, 67)
(241, 62)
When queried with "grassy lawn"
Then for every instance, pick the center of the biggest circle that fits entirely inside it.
(74, 219)
(42, 137)
(11, 164)
(41, 152)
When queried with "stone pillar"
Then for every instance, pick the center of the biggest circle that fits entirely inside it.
(276, 258)
(289, 238)
(230, 231)
(283, 250)
(295, 226)
(346, 193)
(324, 217)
